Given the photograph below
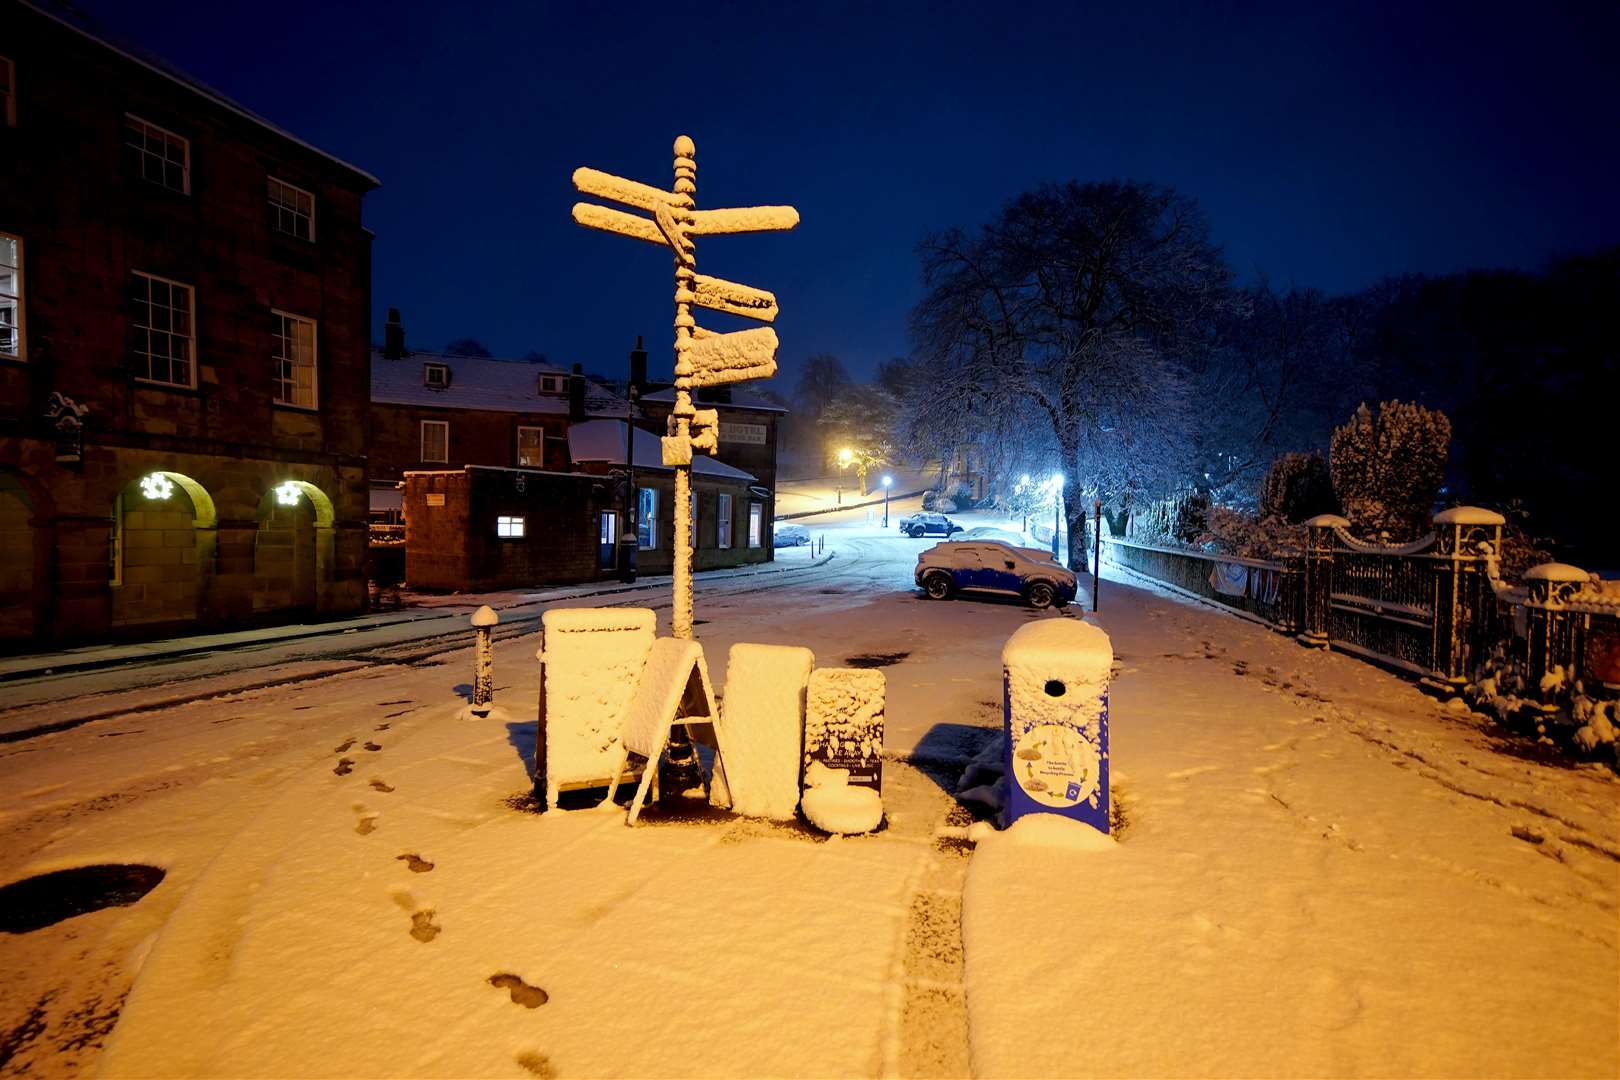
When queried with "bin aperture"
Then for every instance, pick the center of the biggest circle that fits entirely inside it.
(1055, 710)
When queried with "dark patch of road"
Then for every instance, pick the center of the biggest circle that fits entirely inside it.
(47, 899)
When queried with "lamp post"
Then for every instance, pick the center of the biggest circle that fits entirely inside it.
(1023, 489)
(1057, 511)
(888, 482)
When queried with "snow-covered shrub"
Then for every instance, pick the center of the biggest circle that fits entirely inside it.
(1178, 519)
(1296, 487)
(1233, 532)
(1387, 468)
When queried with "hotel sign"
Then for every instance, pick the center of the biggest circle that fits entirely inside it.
(749, 434)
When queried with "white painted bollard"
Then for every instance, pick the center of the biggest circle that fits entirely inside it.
(483, 621)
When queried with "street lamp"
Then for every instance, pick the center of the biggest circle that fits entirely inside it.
(845, 456)
(888, 482)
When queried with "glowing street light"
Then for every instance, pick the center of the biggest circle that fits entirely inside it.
(888, 482)
(156, 486)
(288, 494)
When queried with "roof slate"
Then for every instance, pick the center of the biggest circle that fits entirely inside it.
(482, 383)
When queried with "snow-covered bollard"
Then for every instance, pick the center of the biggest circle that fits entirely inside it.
(483, 622)
(1055, 680)
(843, 749)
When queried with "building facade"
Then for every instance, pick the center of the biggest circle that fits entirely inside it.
(184, 299)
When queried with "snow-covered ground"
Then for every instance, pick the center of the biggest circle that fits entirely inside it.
(1321, 872)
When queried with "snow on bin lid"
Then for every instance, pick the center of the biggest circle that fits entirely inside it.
(1469, 515)
(1063, 648)
(1556, 571)
(585, 620)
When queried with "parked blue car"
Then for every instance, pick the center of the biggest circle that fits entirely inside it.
(946, 569)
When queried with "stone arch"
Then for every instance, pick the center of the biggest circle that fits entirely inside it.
(293, 549)
(164, 530)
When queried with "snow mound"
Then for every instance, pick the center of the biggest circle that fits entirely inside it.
(1056, 831)
(834, 807)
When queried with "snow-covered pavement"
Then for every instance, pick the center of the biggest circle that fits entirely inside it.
(1322, 872)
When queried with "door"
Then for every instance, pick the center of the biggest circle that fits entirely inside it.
(608, 540)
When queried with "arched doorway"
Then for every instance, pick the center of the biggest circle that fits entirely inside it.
(163, 536)
(17, 554)
(293, 549)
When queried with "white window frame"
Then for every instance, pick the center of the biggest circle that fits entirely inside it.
(756, 524)
(723, 522)
(510, 527)
(284, 211)
(560, 386)
(190, 338)
(148, 130)
(8, 72)
(445, 425)
(281, 362)
(541, 446)
(20, 329)
(647, 521)
(429, 383)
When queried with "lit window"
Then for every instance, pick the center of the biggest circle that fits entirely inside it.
(11, 297)
(159, 156)
(292, 209)
(756, 524)
(436, 376)
(722, 529)
(509, 528)
(647, 518)
(531, 448)
(292, 351)
(161, 331)
(8, 92)
(435, 440)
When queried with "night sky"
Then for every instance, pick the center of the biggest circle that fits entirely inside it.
(1329, 148)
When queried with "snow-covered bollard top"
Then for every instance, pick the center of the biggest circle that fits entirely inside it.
(485, 617)
(1055, 674)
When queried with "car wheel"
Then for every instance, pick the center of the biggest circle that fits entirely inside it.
(914, 532)
(938, 586)
(1040, 595)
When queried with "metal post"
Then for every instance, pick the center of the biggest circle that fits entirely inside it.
(483, 621)
(1096, 558)
(1057, 521)
(627, 543)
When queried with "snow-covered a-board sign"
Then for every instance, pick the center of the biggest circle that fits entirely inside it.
(673, 689)
(761, 730)
(592, 663)
(843, 741)
(1055, 705)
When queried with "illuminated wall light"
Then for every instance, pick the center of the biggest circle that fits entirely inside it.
(288, 494)
(156, 486)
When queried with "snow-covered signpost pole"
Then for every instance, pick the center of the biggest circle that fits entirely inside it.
(702, 357)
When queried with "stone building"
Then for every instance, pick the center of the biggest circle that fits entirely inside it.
(183, 350)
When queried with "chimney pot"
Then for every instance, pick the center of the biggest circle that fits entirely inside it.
(393, 336)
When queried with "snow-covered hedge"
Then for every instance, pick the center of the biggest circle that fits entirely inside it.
(1387, 468)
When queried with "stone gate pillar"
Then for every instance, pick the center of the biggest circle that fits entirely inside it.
(1553, 631)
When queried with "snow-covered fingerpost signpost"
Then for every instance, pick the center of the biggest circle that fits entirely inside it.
(702, 357)
(1055, 683)
(483, 695)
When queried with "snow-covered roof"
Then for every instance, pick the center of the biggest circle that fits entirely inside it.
(603, 440)
(72, 19)
(740, 399)
(478, 382)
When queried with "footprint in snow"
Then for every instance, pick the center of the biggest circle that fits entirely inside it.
(381, 785)
(423, 928)
(344, 767)
(340, 749)
(368, 820)
(373, 747)
(530, 997)
(417, 864)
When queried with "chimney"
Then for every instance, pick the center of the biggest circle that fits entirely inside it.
(638, 366)
(393, 336)
(576, 395)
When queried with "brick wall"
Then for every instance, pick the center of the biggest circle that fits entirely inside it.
(476, 437)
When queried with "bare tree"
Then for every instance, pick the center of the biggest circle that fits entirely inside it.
(1077, 309)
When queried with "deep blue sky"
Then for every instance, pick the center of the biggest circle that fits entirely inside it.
(1329, 147)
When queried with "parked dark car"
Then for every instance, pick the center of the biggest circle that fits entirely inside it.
(928, 525)
(946, 569)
